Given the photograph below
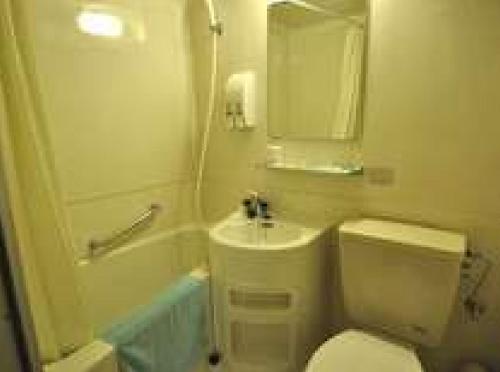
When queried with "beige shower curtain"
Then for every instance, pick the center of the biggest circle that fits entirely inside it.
(38, 235)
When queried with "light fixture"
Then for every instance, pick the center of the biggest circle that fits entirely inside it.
(100, 23)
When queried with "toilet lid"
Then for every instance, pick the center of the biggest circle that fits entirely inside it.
(356, 351)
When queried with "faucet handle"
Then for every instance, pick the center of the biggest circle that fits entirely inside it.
(250, 209)
(256, 205)
(263, 208)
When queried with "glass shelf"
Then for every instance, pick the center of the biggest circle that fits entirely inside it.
(336, 169)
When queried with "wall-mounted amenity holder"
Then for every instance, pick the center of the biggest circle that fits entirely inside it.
(240, 101)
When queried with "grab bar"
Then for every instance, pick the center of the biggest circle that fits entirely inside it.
(96, 245)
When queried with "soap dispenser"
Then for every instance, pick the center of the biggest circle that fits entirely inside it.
(240, 101)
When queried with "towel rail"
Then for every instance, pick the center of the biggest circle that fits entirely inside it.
(97, 245)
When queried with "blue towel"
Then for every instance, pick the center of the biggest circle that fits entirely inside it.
(169, 335)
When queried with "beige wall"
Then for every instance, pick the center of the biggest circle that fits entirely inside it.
(235, 162)
(431, 126)
(236, 159)
(432, 119)
(233, 158)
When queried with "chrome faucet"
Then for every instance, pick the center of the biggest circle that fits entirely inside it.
(256, 206)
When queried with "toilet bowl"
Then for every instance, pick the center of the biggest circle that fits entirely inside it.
(357, 351)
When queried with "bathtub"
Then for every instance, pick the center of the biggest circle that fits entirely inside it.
(99, 356)
(118, 282)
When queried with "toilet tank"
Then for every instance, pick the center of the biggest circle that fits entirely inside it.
(400, 278)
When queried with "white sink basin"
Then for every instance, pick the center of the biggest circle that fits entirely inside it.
(239, 232)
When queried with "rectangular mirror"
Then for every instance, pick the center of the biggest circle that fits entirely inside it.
(315, 68)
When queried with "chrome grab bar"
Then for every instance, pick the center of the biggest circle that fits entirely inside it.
(96, 245)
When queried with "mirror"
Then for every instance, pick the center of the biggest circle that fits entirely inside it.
(315, 68)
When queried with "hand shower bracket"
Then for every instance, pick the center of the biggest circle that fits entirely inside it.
(217, 28)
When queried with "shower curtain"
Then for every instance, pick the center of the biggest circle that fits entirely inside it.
(348, 106)
(45, 264)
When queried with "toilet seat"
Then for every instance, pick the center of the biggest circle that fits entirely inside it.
(356, 351)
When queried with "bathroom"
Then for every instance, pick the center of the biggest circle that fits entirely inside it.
(118, 114)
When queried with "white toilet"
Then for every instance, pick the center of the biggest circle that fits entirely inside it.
(399, 284)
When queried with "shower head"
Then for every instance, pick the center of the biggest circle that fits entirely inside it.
(216, 28)
(215, 25)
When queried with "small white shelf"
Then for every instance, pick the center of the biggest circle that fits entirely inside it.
(337, 169)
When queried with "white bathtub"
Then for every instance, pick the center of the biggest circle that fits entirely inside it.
(99, 356)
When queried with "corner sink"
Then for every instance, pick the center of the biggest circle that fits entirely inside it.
(239, 232)
(268, 281)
